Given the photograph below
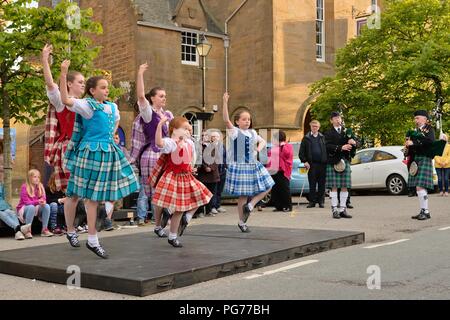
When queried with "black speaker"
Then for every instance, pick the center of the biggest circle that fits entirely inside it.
(130, 201)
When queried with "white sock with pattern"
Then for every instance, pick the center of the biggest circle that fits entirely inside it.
(423, 199)
(334, 199)
(343, 202)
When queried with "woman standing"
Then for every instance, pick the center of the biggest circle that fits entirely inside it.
(281, 158)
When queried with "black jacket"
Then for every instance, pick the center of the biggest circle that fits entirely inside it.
(305, 153)
(334, 142)
(422, 144)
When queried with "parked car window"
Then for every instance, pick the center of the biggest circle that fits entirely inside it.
(382, 156)
(363, 157)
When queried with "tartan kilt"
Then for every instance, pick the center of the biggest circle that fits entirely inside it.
(180, 192)
(100, 172)
(424, 176)
(55, 159)
(158, 170)
(339, 179)
(147, 162)
(247, 179)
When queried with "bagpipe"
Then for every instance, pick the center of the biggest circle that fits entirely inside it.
(348, 131)
(436, 148)
(350, 135)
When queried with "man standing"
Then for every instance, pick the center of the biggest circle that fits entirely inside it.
(339, 142)
(418, 144)
(313, 154)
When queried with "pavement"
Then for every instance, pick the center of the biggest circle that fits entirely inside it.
(416, 268)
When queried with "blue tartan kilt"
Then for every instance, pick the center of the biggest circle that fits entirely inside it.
(336, 179)
(99, 175)
(247, 179)
(424, 176)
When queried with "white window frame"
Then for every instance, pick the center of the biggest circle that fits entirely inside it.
(374, 3)
(184, 45)
(322, 31)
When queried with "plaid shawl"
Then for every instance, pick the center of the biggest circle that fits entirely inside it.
(139, 141)
(51, 132)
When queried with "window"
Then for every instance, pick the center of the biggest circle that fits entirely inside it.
(192, 118)
(363, 157)
(382, 156)
(320, 31)
(188, 49)
(359, 25)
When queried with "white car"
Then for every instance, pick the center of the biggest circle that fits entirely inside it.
(381, 168)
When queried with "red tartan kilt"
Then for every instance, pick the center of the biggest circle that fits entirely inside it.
(56, 158)
(180, 192)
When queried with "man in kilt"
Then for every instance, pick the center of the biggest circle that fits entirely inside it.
(417, 145)
(339, 146)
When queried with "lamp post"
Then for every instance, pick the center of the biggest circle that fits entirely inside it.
(203, 48)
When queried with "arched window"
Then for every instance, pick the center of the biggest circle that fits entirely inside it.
(192, 118)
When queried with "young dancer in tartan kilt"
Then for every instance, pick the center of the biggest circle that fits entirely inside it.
(246, 177)
(417, 145)
(60, 120)
(144, 152)
(177, 189)
(99, 169)
(339, 146)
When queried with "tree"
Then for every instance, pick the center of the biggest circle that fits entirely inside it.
(385, 74)
(23, 32)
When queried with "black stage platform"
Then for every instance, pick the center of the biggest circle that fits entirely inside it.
(142, 264)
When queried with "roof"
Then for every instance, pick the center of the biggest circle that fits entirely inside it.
(162, 12)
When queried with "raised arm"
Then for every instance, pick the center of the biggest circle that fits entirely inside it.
(158, 135)
(226, 118)
(63, 84)
(46, 52)
(140, 89)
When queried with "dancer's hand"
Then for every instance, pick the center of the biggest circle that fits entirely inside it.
(143, 68)
(46, 52)
(164, 119)
(226, 97)
(65, 67)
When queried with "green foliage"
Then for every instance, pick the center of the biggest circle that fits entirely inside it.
(23, 34)
(385, 74)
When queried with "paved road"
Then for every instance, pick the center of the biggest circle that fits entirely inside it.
(417, 268)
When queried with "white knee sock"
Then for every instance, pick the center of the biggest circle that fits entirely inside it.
(423, 199)
(344, 196)
(93, 241)
(172, 236)
(334, 199)
(188, 217)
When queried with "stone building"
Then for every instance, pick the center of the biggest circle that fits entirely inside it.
(266, 53)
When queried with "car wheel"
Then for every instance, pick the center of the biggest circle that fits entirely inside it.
(396, 185)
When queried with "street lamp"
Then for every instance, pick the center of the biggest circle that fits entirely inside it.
(203, 48)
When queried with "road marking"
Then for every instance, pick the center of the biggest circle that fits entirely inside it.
(443, 229)
(386, 244)
(292, 266)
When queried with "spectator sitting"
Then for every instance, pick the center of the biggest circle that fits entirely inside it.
(33, 203)
(55, 199)
(9, 217)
